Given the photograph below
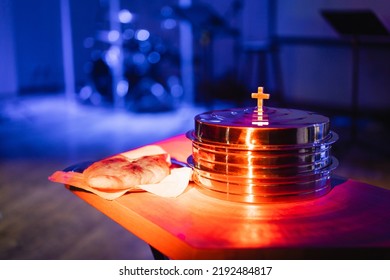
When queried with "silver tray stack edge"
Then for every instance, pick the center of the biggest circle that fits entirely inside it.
(280, 155)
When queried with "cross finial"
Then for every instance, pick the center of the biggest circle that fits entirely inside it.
(259, 95)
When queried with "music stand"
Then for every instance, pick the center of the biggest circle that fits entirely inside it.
(355, 24)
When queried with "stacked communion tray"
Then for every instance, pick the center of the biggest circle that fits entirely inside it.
(262, 154)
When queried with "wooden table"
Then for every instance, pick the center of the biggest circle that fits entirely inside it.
(351, 222)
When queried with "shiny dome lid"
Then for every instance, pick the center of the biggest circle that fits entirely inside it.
(250, 127)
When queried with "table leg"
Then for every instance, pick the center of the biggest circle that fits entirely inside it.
(157, 254)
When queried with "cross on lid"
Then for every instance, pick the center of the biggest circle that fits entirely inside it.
(260, 96)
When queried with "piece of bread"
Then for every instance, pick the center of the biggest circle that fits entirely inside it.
(119, 172)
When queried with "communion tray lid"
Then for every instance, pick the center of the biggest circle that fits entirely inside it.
(272, 127)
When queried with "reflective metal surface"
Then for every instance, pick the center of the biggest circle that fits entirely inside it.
(330, 139)
(315, 191)
(263, 171)
(252, 178)
(275, 126)
(276, 156)
(257, 158)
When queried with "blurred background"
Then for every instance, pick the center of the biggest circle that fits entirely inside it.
(81, 80)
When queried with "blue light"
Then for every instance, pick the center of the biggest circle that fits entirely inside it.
(86, 92)
(142, 35)
(177, 90)
(169, 24)
(122, 88)
(112, 55)
(166, 11)
(113, 36)
(154, 57)
(128, 34)
(145, 46)
(139, 58)
(157, 89)
(125, 16)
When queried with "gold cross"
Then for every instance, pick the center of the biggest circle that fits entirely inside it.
(259, 95)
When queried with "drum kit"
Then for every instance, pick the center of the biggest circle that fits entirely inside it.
(151, 67)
